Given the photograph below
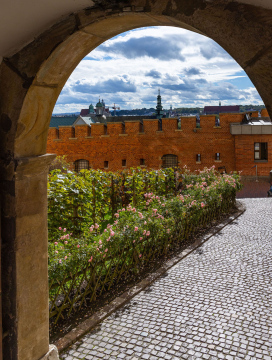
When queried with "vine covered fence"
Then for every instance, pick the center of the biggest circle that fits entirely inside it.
(75, 199)
(82, 269)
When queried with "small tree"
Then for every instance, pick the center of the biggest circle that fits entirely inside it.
(59, 163)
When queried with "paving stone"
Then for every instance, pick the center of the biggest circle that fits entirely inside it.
(214, 304)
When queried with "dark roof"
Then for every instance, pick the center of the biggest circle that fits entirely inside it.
(221, 109)
(84, 112)
(57, 121)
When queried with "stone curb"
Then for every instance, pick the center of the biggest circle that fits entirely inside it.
(121, 300)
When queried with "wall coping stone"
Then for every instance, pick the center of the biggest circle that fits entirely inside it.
(32, 165)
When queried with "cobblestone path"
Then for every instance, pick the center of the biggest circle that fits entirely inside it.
(214, 304)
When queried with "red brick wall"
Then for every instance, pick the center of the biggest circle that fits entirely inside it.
(264, 113)
(152, 144)
(244, 153)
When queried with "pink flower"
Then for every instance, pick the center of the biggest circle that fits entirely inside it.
(100, 242)
(136, 228)
(147, 233)
(112, 233)
(59, 228)
(140, 238)
(133, 241)
(91, 259)
(105, 230)
(64, 229)
(202, 204)
(140, 255)
(116, 215)
(168, 231)
(67, 236)
(65, 242)
(56, 243)
(60, 261)
(145, 223)
(144, 232)
(91, 229)
(106, 250)
(96, 226)
(104, 255)
(65, 257)
(56, 252)
(78, 246)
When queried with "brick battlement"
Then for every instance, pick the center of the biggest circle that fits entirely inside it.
(149, 127)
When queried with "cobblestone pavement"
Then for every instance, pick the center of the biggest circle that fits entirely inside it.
(214, 304)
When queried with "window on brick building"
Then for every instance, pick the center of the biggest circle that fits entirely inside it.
(124, 162)
(160, 125)
(106, 164)
(217, 156)
(169, 161)
(142, 162)
(198, 157)
(73, 134)
(81, 164)
(123, 128)
(260, 151)
(179, 123)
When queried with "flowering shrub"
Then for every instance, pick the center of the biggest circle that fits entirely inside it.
(133, 229)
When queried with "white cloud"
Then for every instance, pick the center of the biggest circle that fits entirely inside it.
(190, 69)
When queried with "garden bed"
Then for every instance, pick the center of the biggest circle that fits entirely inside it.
(93, 268)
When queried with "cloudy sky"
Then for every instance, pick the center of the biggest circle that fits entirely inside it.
(190, 69)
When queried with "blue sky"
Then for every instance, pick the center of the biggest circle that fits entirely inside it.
(190, 69)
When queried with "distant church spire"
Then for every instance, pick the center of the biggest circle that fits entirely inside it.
(159, 112)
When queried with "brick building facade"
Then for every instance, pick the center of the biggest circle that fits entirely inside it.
(116, 146)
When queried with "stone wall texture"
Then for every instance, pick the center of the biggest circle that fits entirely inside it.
(114, 142)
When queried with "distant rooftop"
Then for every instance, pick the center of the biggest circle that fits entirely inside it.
(57, 121)
(84, 112)
(210, 110)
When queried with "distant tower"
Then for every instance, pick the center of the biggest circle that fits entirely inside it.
(99, 108)
(91, 109)
(219, 103)
(159, 112)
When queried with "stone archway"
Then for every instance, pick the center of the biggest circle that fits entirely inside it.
(30, 82)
